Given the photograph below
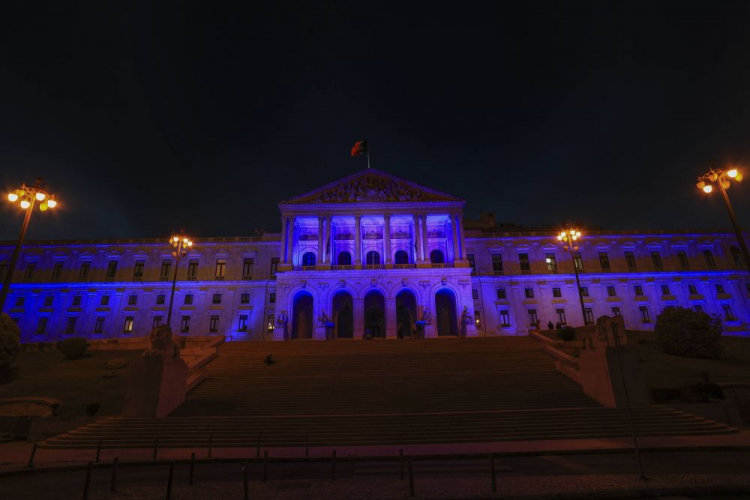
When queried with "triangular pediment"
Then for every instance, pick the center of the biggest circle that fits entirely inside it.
(371, 186)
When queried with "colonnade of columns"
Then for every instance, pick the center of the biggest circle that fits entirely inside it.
(325, 236)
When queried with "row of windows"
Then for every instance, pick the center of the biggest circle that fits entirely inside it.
(630, 261)
(372, 258)
(164, 274)
(133, 299)
(611, 291)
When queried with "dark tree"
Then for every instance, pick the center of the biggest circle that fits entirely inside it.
(688, 333)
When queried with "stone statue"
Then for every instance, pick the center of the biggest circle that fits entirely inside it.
(427, 316)
(283, 320)
(466, 319)
(162, 344)
(323, 318)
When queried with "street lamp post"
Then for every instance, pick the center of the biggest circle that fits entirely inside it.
(569, 237)
(723, 179)
(27, 197)
(181, 243)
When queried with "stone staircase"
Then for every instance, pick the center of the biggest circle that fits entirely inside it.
(361, 393)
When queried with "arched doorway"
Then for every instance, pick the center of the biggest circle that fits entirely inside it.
(445, 313)
(302, 316)
(406, 313)
(343, 315)
(375, 314)
(436, 257)
(344, 259)
(401, 257)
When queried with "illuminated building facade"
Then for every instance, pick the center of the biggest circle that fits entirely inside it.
(373, 255)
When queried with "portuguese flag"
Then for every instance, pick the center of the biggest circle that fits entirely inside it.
(359, 148)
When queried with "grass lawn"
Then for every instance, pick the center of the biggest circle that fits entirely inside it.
(77, 383)
(665, 371)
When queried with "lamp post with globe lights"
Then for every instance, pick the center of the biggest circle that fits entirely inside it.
(27, 197)
(181, 243)
(569, 237)
(723, 180)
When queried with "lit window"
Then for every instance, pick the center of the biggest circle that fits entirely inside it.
(578, 261)
(242, 323)
(551, 261)
(128, 326)
(270, 323)
(477, 319)
(247, 268)
(221, 265)
(213, 325)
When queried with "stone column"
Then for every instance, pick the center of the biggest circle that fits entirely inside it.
(357, 240)
(329, 239)
(387, 239)
(425, 242)
(290, 241)
(320, 259)
(454, 236)
(417, 239)
(462, 240)
(282, 251)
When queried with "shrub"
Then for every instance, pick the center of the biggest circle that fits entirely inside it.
(687, 333)
(567, 333)
(10, 341)
(73, 348)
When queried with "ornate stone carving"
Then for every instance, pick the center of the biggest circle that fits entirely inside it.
(424, 284)
(162, 344)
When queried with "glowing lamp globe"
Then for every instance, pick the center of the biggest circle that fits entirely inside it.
(25, 204)
(708, 188)
(732, 173)
(52, 203)
(13, 197)
(40, 196)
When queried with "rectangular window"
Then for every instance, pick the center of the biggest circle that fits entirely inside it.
(709, 256)
(242, 323)
(99, 324)
(683, 259)
(217, 298)
(247, 269)
(245, 298)
(270, 323)
(48, 301)
(472, 263)
(719, 288)
(272, 298)
(645, 318)
(76, 301)
(41, 326)
(616, 311)
(111, 269)
(665, 290)
(474, 294)
(192, 271)
(56, 271)
(604, 260)
(497, 263)
(29, 274)
(656, 260)
(692, 289)
(477, 319)
(501, 293)
(83, 273)
(221, 266)
(533, 317)
(185, 324)
(561, 316)
(611, 291)
(138, 269)
(728, 315)
(213, 325)
(274, 267)
(128, 326)
(70, 326)
(630, 260)
(20, 301)
(504, 317)
(556, 292)
(104, 301)
(529, 293)
(589, 316)
(578, 261)
(698, 308)
(160, 299)
(166, 265)
(156, 322)
(523, 260)
(638, 290)
(551, 261)
(132, 299)
(584, 291)
(188, 299)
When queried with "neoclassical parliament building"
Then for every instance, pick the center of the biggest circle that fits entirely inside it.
(373, 256)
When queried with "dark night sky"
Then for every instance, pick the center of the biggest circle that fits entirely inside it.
(145, 119)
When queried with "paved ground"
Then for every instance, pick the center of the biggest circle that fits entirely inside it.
(571, 475)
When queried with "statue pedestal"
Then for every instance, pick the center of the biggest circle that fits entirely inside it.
(156, 386)
(601, 378)
(420, 328)
(329, 330)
